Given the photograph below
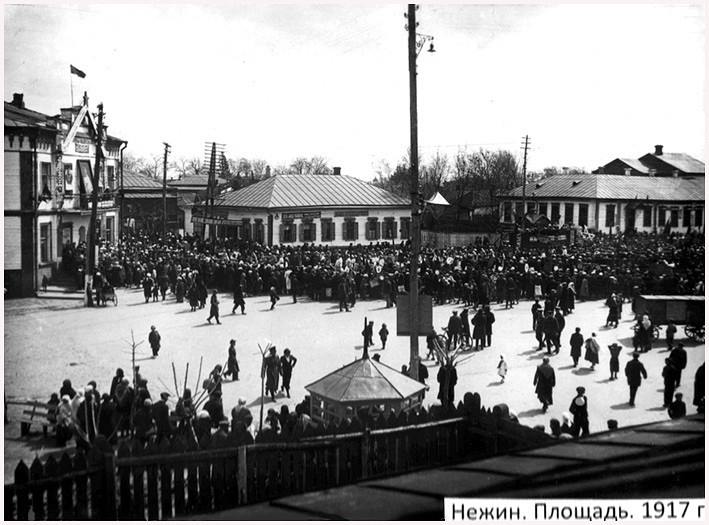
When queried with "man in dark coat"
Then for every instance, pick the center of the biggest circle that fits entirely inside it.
(465, 327)
(455, 327)
(161, 415)
(561, 323)
(614, 349)
(698, 400)
(579, 409)
(479, 326)
(669, 378)
(551, 330)
(536, 307)
(677, 408)
(545, 381)
(635, 372)
(154, 340)
(272, 370)
(678, 356)
(147, 287)
(342, 294)
(489, 321)
(447, 378)
(116, 381)
(239, 299)
(576, 343)
(213, 308)
(288, 362)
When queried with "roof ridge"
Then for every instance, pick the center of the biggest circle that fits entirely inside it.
(376, 366)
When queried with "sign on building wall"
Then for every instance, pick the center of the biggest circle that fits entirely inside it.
(301, 215)
(216, 220)
(351, 213)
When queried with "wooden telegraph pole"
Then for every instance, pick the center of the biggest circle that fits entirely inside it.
(91, 256)
(164, 190)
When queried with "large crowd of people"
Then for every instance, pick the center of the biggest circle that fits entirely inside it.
(615, 268)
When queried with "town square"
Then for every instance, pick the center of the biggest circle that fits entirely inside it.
(308, 263)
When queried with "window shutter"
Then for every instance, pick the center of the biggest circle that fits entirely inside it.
(394, 230)
(280, 233)
(300, 232)
(355, 237)
(313, 232)
(378, 230)
(323, 231)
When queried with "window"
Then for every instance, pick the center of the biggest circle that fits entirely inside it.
(661, 217)
(110, 170)
(647, 217)
(531, 207)
(288, 231)
(698, 216)
(555, 215)
(389, 228)
(686, 217)
(674, 218)
(259, 231)
(109, 229)
(405, 228)
(350, 230)
(610, 215)
(569, 213)
(373, 230)
(543, 208)
(307, 231)
(519, 211)
(507, 212)
(244, 233)
(45, 241)
(583, 215)
(45, 185)
(327, 229)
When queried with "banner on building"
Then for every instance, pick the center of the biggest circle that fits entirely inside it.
(425, 314)
(216, 220)
(301, 215)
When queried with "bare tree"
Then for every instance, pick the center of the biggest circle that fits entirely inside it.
(434, 174)
(299, 166)
(318, 165)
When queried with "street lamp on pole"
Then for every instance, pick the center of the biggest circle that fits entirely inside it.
(416, 44)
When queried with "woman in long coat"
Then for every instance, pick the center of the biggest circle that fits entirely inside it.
(447, 378)
(592, 351)
(272, 370)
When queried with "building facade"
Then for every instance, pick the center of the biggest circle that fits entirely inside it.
(656, 164)
(141, 205)
(296, 209)
(611, 203)
(48, 167)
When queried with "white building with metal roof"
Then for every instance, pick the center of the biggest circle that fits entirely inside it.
(603, 202)
(331, 209)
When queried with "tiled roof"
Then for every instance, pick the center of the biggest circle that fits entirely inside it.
(365, 379)
(200, 180)
(137, 180)
(23, 117)
(294, 191)
(615, 187)
(680, 161)
(150, 196)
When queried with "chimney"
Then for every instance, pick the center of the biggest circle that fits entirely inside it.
(18, 100)
(628, 171)
(658, 149)
(337, 170)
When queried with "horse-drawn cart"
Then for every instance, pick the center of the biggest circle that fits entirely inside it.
(687, 310)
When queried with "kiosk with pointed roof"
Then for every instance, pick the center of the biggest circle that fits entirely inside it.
(364, 383)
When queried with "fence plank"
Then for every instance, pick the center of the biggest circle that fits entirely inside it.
(230, 492)
(205, 486)
(9, 513)
(36, 474)
(51, 469)
(124, 485)
(166, 491)
(192, 487)
(153, 503)
(67, 484)
(242, 476)
(82, 508)
(22, 476)
(138, 507)
(97, 484)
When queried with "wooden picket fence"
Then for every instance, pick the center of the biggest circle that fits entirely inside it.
(165, 481)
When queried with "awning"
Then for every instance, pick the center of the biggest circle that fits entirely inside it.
(85, 170)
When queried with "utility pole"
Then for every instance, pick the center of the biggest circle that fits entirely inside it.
(524, 187)
(415, 212)
(164, 190)
(91, 256)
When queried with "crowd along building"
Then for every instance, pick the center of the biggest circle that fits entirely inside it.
(657, 192)
(333, 209)
(48, 172)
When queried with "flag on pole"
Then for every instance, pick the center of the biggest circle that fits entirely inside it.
(76, 71)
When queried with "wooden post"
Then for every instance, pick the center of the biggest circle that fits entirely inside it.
(241, 476)
(109, 478)
(366, 471)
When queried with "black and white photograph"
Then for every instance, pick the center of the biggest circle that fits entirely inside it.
(354, 261)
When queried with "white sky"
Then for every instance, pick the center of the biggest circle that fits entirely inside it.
(588, 83)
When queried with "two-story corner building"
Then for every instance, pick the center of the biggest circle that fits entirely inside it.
(48, 166)
(331, 209)
(611, 203)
